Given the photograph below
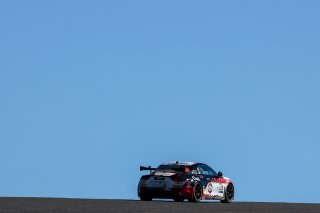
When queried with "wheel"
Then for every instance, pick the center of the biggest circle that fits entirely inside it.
(228, 194)
(178, 199)
(145, 198)
(197, 193)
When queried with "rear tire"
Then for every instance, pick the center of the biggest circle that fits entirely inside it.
(228, 194)
(197, 193)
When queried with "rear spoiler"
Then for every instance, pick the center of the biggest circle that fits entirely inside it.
(149, 168)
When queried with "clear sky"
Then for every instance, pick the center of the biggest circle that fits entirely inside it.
(90, 90)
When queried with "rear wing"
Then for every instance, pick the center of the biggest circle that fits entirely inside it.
(149, 168)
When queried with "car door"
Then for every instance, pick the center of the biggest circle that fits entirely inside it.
(217, 183)
(211, 188)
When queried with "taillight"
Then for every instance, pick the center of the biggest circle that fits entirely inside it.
(177, 179)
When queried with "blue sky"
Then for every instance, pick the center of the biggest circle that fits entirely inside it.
(90, 90)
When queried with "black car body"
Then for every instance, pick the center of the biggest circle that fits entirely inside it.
(185, 180)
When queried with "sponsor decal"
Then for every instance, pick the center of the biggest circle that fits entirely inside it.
(179, 163)
(206, 196)
(220, 180)
(195, 178)
(210, 188)
(166, 174)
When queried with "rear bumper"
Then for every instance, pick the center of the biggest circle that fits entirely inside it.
(166, 194)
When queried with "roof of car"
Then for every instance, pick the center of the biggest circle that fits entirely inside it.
(179, 163)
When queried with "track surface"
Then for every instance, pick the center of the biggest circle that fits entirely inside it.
(48, 205)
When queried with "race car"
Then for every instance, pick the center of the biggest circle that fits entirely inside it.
(185, 180)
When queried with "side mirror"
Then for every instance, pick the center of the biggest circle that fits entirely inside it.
(220, 174)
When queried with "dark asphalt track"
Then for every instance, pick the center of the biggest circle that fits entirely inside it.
(48, 205)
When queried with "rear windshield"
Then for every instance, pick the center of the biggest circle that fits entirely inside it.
(174, 167)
